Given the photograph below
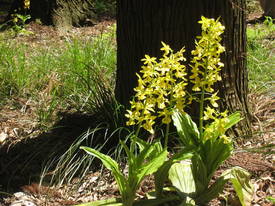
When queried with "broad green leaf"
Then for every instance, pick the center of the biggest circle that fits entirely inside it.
(162, 174)
(110, 164)
(213, 153)
(151, 166)
(212, 192)
(149, 152)
(200, 173)
(180, 174)
(240, 179)
(233, 120)
(186, 128)
(130, 156)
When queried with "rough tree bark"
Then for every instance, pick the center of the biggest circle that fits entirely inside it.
(269, 7)
(61, 13)
(143, 24)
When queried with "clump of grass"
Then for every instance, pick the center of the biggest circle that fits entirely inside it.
(261, 56)
(55, 77)
(104, 134)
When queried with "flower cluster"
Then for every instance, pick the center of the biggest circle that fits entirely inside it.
(162, 84)
(161, 87)
(206, 65)
(206, 62)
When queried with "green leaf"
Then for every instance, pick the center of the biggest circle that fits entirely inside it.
(152, 165)
(141, 143)
(150, 151)
(186, 128)
(233, 120)
(240, 179)
(162, 174)
(200, 174)
(212, 192)
(130, 156)
(180, 174)
(112, 165)
(213, 153)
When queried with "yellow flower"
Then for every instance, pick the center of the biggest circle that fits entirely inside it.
(226, 139)
(213, 100)
(149, 60)
(166, 116)
(210, 113)
(166, 48)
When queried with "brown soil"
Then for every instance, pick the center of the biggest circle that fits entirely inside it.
(19, 136)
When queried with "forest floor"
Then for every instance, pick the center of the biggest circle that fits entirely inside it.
(19, 132)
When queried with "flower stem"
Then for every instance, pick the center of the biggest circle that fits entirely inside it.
(201, 102)
(166, 136)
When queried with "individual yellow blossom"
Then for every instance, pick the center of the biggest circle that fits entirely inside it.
(217, 129)
(166, 113)
(213, 99)
(209, 113)
(166, 48)
(226, 139)
(149, 60)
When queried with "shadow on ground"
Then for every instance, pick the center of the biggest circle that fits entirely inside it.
(22, 163)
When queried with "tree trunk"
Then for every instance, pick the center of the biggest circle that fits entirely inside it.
(73, 12)
(143, 24)
(269, 7)
(60, 13)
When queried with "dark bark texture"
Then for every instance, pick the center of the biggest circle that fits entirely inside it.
(72, 12)
(143, 24)
(269, 7)
(60, 13)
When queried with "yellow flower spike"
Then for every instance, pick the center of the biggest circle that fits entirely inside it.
(161, 88)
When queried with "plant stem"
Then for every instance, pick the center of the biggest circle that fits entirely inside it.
(201, 102)
(166, 136)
